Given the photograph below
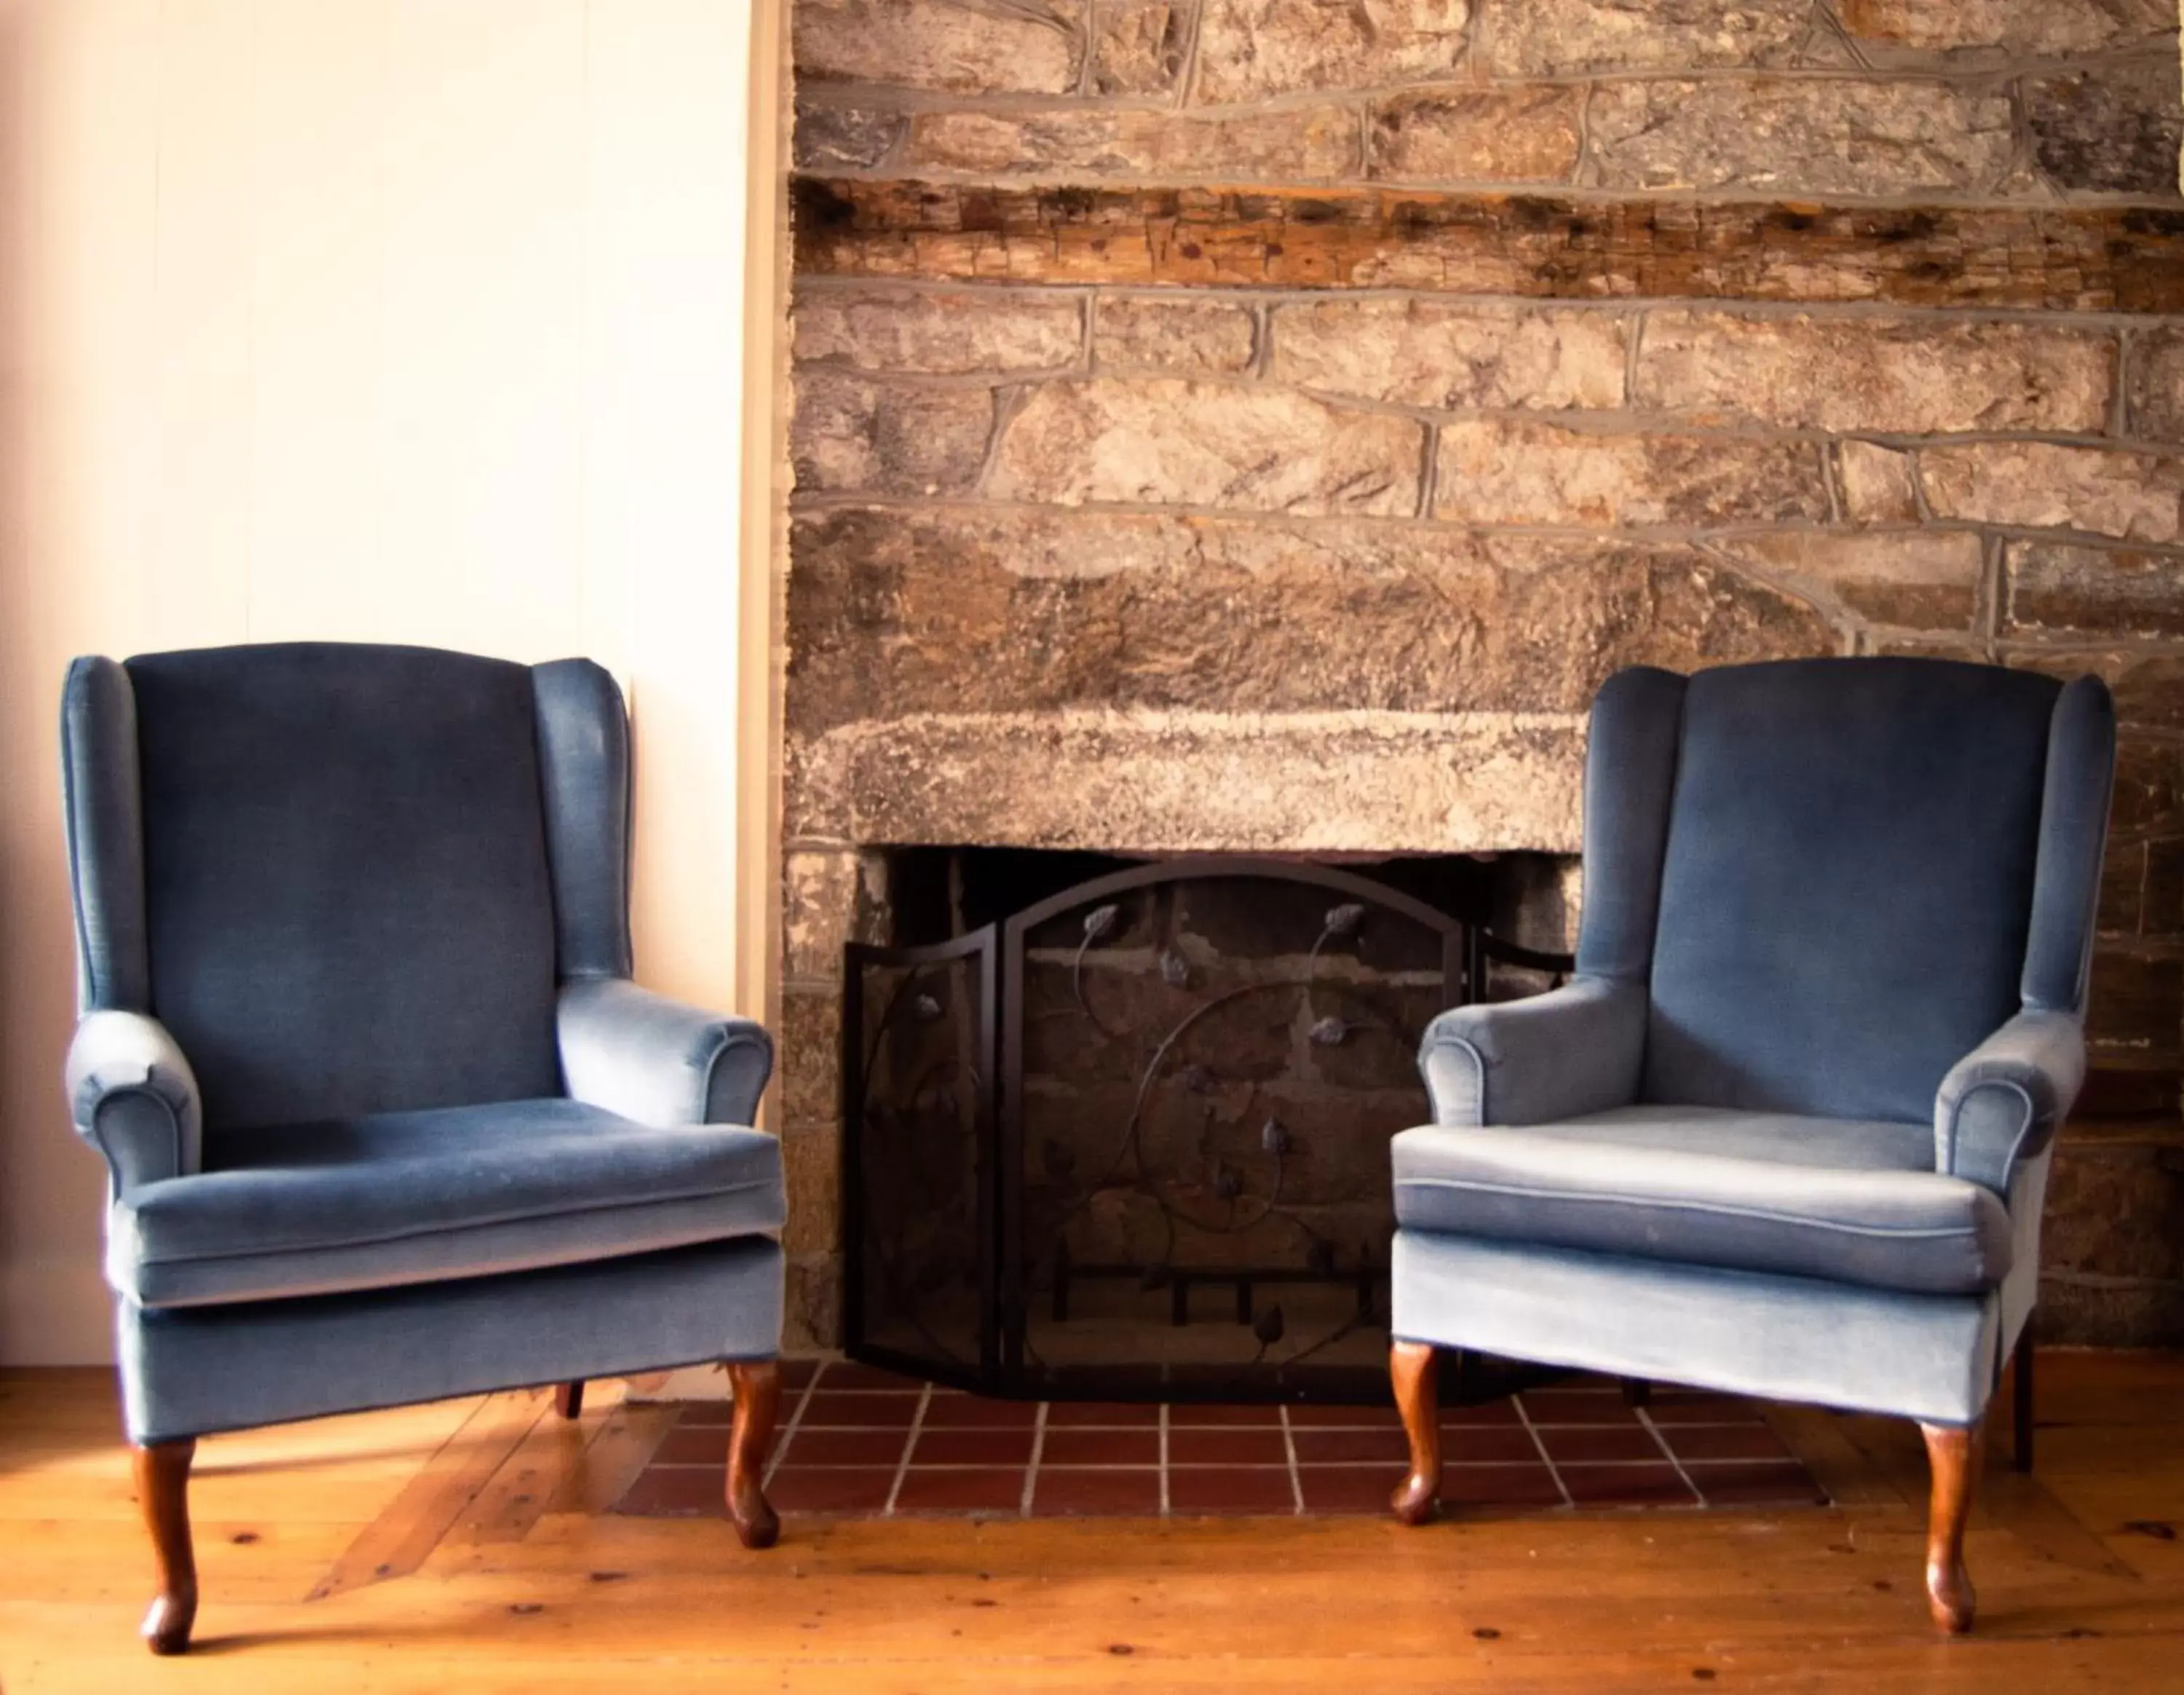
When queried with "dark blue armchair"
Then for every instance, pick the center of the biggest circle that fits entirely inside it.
(386, 1118)
(1787, 1133)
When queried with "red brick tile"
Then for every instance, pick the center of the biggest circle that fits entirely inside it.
(676, 1491)
(1492, 1444)
(1100, 1447)
(1345, 1418)
(1626, 1486)
(1724, 1441)
(976, 1412)
(971, 1448)
(1101, 1412)
(688, 1444)
(982, 1489)
(845, 1447)
(858, 1489)
(1489, 1413)
(1230, 1489)
(1701, 1406)
(1499, 1486)
(1582, 1443)
(847, 1374)
(1348, 1488)
(1112, 1493)
(1230, 1447)
(1761, 1483)
(797, 1374)
(1262, 1417)
(1322, 1446)
(859, 1412)
(1576, 1407)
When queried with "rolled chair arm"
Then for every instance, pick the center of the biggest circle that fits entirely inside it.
(2003, 1101)
(657, 1060)
(1571, 1050)
(133, 1096)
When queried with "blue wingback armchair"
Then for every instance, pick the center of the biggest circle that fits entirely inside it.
(1787, 1131)
(386, 1118)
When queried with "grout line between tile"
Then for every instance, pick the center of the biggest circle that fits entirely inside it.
(1038, 1451)
(788, 1431)
(1288, 1447)
(909, 1446)
(1546, 1459)
(1661, 1441)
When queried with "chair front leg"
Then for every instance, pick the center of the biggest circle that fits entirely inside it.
(757, 1387)
(1955, 1453)
(1411, 1367)
(568, 1399)
(163, 1491)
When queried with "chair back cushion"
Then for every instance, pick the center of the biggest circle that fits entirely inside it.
(1846, 882)
(347, 894)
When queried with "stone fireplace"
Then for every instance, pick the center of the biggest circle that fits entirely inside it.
(1259, 426)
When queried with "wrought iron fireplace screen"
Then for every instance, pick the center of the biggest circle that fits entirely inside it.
(1132, 1140)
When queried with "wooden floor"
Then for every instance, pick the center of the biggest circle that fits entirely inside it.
(459, 1548)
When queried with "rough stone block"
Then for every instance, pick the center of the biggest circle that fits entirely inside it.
(1138, 610)
(2123, 890)
(1250, 49)
(983, 47)
(2028, 29)
(811, 1305)
(2060, 586)
(941, 334)
(1287, 144)
(811, 1166)
(2147, 684)
(2153, 390)
(1434, 353)
(1181, 337)
(2163, 917)
(1477, 135)
(1171, 442)
(849, 433)
(2116, 1199)
(1876, 484)
(819, 900)
(2106, 1312)
(1915, 579)
(1501, 470)
(2149, 783)
(2113, 129)
(1139, 46)
(831, 137)
(1560, 37)
(1153, 782)
(808, 1080)
(2045, 485)
(1829, 136)
(2136, 1006)
(1916, 376)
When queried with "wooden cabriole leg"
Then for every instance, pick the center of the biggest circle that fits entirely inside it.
(1411, 1367)
(163, 1491)
(1954, 1453)
(757, 1386)
(568, 1399)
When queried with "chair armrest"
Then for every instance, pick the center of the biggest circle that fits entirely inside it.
(1572, 1050)
(2003, 1101)
(132, 1095)
(657, 1060)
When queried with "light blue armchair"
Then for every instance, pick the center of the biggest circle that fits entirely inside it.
(1786, 1132)
(386, 1118)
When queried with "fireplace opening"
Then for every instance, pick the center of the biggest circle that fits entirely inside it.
(1119, 1128)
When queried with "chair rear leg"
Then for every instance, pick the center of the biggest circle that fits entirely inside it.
(1954, 1453)
(163, 1491)
(568, 1399)
(1411, 1367)
(757, 1386)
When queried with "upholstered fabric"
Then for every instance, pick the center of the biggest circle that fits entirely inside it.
(105, 819)
(187, 1371)
(1847, 890)
(2003, 1101)
(346, 877)
(1575, 1049)
(584, 744)
(1928, 1356)
(657, 1060)
(1859, 1202)
(2074, 823)
(1630, 778)
(131, 1096)
(411, 1197)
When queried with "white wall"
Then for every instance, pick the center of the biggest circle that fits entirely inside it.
(385, 320)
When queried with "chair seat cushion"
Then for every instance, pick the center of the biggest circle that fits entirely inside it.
(395, 1198)
(1848, 1201)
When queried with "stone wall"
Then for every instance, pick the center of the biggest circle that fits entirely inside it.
(1263, 423)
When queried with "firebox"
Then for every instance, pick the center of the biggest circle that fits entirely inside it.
(1119, 1129)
